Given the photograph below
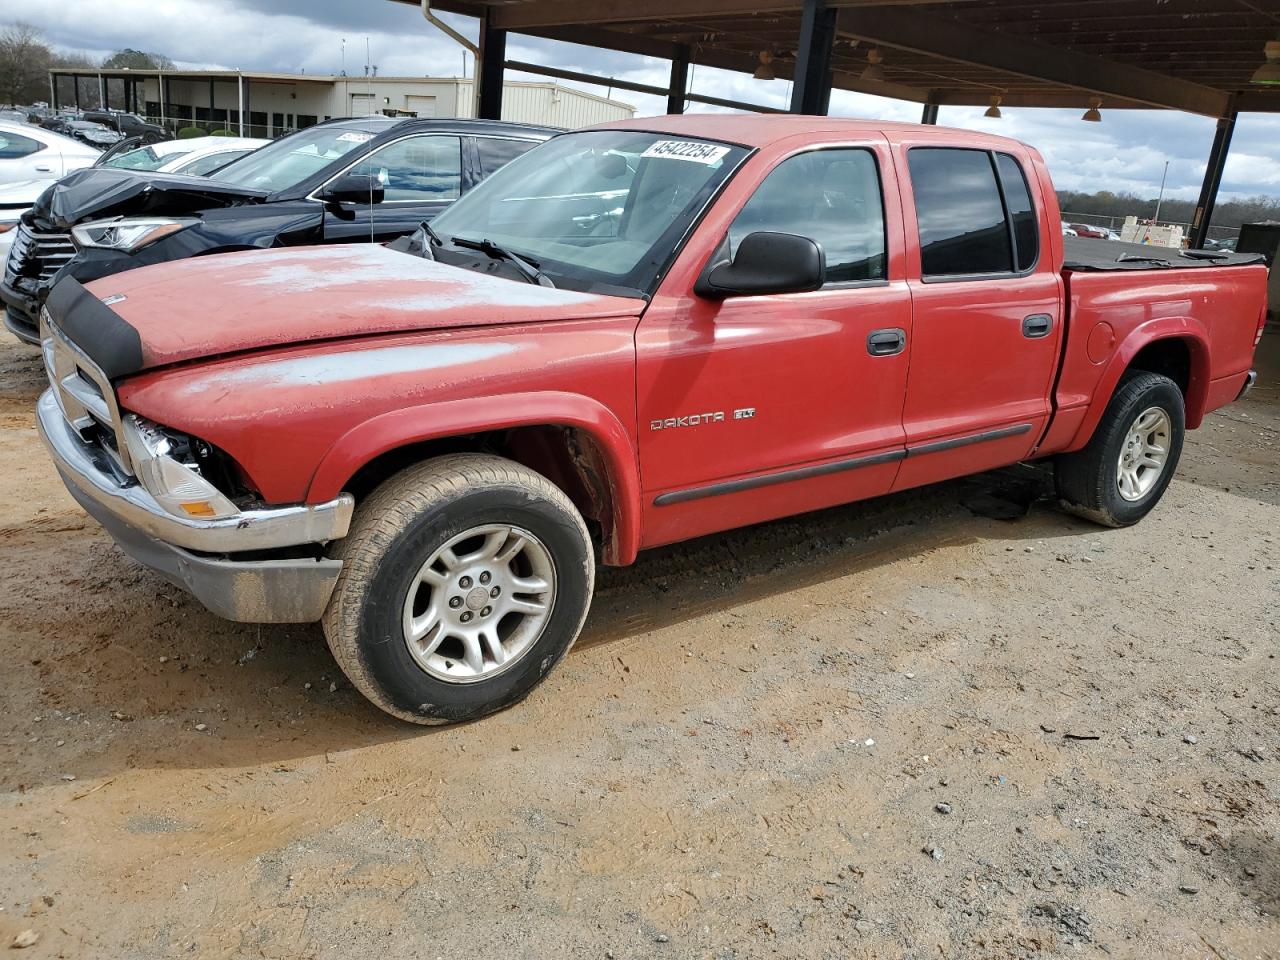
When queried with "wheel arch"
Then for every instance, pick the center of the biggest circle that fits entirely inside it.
(576, 442)
(1176, 347)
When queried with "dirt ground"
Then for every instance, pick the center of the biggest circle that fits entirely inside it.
(750, 753)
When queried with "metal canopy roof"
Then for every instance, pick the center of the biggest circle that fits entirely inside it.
(1192, 55)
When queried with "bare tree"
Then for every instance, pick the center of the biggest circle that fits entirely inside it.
(24, 64)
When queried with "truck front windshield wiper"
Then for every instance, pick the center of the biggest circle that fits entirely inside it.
(528, 269)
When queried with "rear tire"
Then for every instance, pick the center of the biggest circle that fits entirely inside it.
(465, 580)
(1126, 467)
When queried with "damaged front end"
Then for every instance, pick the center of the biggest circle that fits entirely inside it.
(100, 221)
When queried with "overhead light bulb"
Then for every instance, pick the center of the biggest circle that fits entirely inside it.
(1093, 114)
(1268, 74)
(873, 70)
(765, 70)
(993, 111)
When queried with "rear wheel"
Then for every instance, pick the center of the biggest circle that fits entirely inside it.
(465, 579)
(1124, 471)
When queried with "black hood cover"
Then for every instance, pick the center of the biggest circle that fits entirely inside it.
(97, 192)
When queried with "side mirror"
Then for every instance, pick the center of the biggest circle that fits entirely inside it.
(765, 263)
(354, 188)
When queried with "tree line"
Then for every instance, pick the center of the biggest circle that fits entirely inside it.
(25, 61)
(1227, 213)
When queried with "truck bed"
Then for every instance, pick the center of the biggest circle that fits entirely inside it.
(1085, 253)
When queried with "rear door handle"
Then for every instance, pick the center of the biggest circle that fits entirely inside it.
(1037, 326)
(888, 342)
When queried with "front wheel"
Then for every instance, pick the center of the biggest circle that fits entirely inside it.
(1124, 470)
(465, 579)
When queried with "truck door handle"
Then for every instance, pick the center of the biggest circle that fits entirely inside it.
(1037, 326)
(44, 168)
(886, 343)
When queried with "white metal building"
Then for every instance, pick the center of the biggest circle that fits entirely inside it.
(276, 103)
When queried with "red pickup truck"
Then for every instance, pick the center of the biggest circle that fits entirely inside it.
(631, 335)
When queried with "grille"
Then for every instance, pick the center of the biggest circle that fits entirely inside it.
(84, 393)
(38, 255)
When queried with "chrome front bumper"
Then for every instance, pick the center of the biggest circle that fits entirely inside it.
(292, 590)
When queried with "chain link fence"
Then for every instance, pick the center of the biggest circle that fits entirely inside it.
(1115, 223)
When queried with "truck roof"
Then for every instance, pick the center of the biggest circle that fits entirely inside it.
(759, 129)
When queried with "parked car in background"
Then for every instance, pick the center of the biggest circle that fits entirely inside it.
(426, 445)
(128, 125)
(197, 156)
(1089, 230)
(1068, 231)
(28, 152)
(13, 116)
(94, 134)
(1228, 244)
(344, 181)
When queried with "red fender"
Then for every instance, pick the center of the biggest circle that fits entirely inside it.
(1187, 329)
(434, 421)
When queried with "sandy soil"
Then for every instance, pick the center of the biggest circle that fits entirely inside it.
(744, 757)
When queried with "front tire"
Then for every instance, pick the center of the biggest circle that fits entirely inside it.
(1126, 467)
(465, 580)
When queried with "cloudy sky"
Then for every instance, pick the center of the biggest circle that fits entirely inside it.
(1126, 152)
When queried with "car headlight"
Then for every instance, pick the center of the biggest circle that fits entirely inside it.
(158, 457)
(127, 234)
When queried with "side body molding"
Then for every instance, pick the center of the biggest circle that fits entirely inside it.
(433, 421)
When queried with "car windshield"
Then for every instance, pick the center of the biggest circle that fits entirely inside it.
(292, 159)
(597, 209)
(144, 158)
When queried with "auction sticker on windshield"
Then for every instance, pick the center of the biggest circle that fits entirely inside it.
(707, 153)
(355, 137)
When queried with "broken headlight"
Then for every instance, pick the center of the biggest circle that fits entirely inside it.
(127, 235)
(165, 463)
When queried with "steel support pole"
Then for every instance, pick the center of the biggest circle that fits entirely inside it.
(1212, 179)
(489, 71)
(678, 88)
(811, 91)
(102, 92)
(240, 100)
(930, 114)
(53, 92)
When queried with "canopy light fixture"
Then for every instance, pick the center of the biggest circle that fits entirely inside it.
(1268, 74)
(993, 111)
(765, 70)
(1093, 114)
(873, 70)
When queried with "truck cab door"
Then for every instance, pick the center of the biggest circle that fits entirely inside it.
(987, 311)
(756, 407)
(420, 175)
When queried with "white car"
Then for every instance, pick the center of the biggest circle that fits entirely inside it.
(15, 200)
(28, 152)
(195, 157)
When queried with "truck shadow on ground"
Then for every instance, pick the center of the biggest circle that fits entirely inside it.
(273, 693)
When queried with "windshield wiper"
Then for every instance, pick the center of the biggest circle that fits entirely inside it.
(425, 227)
(528, 269)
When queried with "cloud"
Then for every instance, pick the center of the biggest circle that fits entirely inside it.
(1124, 153)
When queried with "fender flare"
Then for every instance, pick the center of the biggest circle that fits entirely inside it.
(1187, 329)
(435, 421)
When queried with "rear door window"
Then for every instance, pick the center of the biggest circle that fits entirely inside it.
(417, 168)
(497, 152)
(830, 196)
(14, 146)
(961, 218)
